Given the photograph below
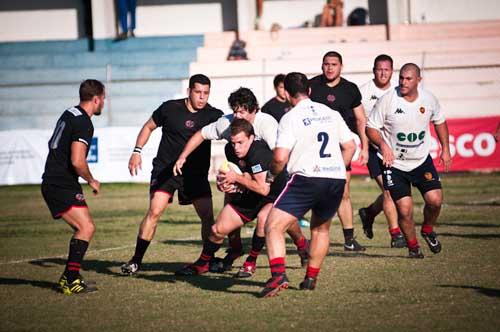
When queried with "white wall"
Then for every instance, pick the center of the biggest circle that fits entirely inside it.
(103, 19)
(436, 11)
(38, 25)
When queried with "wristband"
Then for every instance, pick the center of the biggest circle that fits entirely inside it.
(137, 150)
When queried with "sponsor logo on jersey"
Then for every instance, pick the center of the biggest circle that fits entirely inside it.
(316, 169)
(93, 156)
(410, 137)
(79, 197)
(399, 111)
(330, 98)
(256, 168)
(189, 124)
(428, 176)
(422, 110)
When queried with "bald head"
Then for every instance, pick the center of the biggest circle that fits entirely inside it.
(411, 66)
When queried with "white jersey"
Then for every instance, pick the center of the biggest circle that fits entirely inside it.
(404, 126)
(264, 126)
(313, 134)
(370, 93)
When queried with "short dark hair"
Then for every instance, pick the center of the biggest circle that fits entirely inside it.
(90, 88)
(410, 65)
(383, 57)
(280, 78)
(241, 125)
(296, 83)
(332, 54)
(198, 78)
(243, 97)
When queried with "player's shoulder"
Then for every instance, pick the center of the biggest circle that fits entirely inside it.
(264, 119)
(258, 150)
(348, 84)
(76, 115)
(214, 110)
(366, 87)
(318, 79)
(427, 95)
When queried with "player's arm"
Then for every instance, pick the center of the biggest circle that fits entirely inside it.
(255, 182)
(359, 114)
(280, 159)
(348, 149)
(377, 139)
(191, 145)
(79, 162)
(135, 161)
(443, 136)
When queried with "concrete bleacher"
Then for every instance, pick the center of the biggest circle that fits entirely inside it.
(40, 79)
(461, 61)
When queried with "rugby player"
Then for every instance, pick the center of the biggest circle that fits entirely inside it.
(371, 91)
(399, 126)
(253, 158)
(66, 162)
(179, 120)
(315, 144)
(278, 105)
(343, 96)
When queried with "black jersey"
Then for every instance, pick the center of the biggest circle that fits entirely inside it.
(74, 125)
(178, 125)
(276, 108)
(257, 160)
(343, 97)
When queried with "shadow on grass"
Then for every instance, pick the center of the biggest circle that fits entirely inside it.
(479, 225)
(34, 283)
(472, 236)
(491, 292)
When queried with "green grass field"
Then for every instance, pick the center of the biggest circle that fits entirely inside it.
(378, 290)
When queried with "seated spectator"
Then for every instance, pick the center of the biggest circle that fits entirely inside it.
(357, 17)
(333, 14)
(237, 50)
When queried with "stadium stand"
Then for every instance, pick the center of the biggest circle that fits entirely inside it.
(42, 77)
(460, 61)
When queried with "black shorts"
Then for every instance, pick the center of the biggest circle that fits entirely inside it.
(301, 194)
(61, 198)
(373, 163)
(398, 182)
(248, 208)
(190, 187)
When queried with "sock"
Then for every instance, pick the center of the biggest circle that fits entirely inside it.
(140, 249)
(77, 249)
(312, 272)
(394, 231)
(427, 228)
(412, 244)
(235, 241)
(209, 250)
(258, 243)
(277, 266)
(348, 234)
(301, 243)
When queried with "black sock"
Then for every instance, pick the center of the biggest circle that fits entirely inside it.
(77, 250)
(140, 249)
(258, 243)
(348, 234)
(209, 250)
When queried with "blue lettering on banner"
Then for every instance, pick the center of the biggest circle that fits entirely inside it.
(93, 156)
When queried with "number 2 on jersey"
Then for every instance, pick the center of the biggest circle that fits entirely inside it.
(323, 137)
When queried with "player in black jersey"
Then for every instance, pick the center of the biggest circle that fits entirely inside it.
(66, 161)
(344, 97)
(179, 120)
(278, 105)
(253, 158)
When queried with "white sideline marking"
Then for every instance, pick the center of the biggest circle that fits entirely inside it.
(27, 260)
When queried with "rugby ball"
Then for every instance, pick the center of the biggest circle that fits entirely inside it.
(227, 166)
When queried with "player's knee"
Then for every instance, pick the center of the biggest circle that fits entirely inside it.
(155, 214)
(217, 232)
(434, 205)
(88, 229)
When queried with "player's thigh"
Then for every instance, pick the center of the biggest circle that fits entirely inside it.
(426, 178)
(347, 186)
(194, 187)
(404, 206)
(227, 221)
(158, 202)
(397, 182)
(262, 217)
(279, 220)
(79, 218)
(329, 194)
(204, 207)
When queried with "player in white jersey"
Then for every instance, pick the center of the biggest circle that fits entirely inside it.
(316, 144)
(371, 91)
(245, 106)
(399, 126)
